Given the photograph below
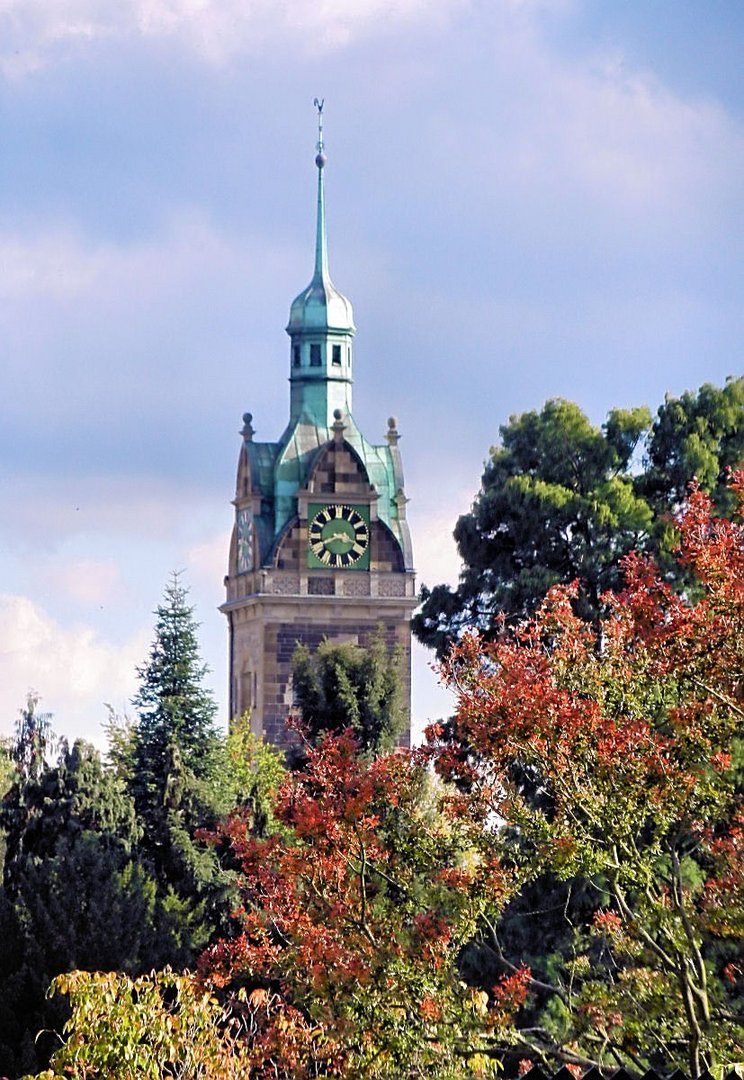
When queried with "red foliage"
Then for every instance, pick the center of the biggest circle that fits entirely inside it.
(648, 716)
(353, 917)
(611, 754)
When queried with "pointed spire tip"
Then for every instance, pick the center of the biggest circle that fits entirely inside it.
(320, 158)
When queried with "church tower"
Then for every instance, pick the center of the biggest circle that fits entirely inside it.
(320, 547)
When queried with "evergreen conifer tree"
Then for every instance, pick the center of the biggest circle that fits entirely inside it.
(175, 756)
(74, 895)
(174, 707)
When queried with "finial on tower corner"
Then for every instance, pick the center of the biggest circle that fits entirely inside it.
(320, 158)
(339, 427)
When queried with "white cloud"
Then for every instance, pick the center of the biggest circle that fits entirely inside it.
(629, 137)
(85, 582)
(87, 324)
(552, 138)
(52, 265)
(72, 668)
(435, 554)
(58, 262)
(36, 31)
(206, 562)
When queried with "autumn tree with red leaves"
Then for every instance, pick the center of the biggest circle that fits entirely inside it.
(352, 923)
(632, 744)
(616, 761)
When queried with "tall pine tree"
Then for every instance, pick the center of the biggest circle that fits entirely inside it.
(174, 707)
(175, 757)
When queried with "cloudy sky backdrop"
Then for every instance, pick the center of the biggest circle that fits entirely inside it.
(526, 199)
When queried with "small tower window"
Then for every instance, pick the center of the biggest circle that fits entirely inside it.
(337, 355)
(296, 355)
(315, 356)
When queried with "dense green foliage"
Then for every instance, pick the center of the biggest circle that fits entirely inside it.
(74, 894)
(563, 501)
(250, 777)
(698, 436)
(347, 686)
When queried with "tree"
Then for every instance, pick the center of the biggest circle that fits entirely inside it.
(557, 503)
(74, 895)
(696, 437)
(352, 924)
(34, 739)
(348, 686)
(562, 501)
(252, 774)
(158, 1025)
(175, 754)
(174, 708)
(634, 750)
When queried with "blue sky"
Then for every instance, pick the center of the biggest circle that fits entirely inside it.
(526, 199)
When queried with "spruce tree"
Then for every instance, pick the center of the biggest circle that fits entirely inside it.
(174, 707)
(175, 757)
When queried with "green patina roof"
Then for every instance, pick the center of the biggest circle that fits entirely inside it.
(320, 314)
(279, 470)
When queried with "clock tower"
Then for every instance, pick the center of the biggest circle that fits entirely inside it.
(320, 547)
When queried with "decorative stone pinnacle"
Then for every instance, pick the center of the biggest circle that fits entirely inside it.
(393, 434)
(339, 427)
(247, 431)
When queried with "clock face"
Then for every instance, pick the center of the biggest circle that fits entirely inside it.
(245, 540)
(338, 536)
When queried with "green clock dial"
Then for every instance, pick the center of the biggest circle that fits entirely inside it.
(338, 536)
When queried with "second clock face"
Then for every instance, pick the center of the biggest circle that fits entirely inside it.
(338, 536)
(245, 540)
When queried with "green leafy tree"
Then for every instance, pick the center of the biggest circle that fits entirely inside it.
(159, 1025)
(350, 686)
(252, 772)
(557, 503)
(561, 500)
